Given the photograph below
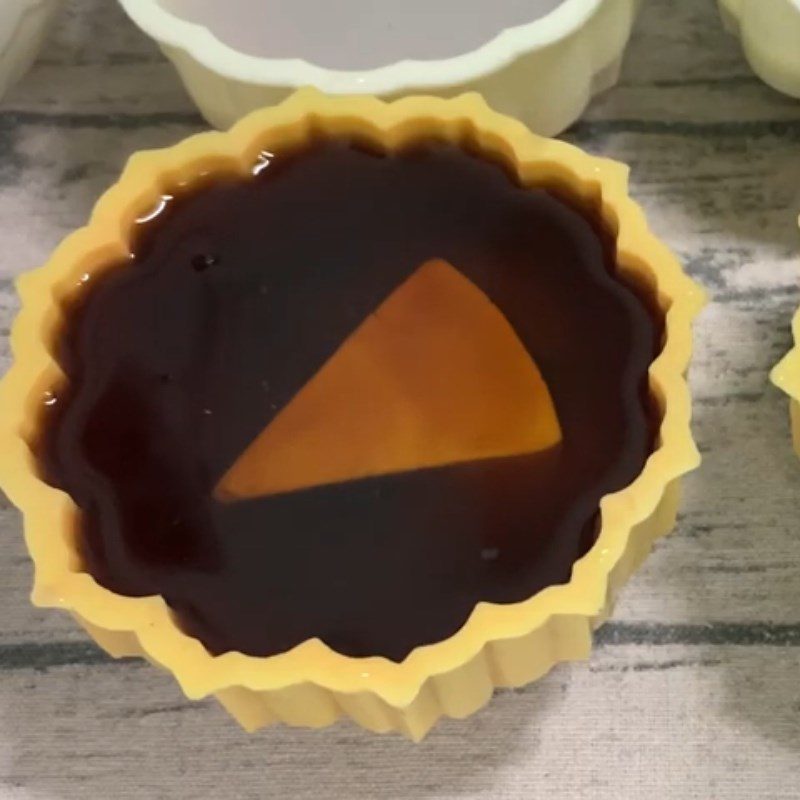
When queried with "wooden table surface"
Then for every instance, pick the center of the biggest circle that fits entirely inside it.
(694, 688)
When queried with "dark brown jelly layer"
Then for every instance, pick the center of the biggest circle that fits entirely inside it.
(237, 294)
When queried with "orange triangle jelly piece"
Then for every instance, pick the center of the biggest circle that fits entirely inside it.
(436, 375)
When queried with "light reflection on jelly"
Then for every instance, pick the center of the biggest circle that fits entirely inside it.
(263, 161)
(159, 209)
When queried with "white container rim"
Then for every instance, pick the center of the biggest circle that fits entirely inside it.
(508, 45)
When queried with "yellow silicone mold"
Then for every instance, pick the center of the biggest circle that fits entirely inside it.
(311, 685)
(786, 376)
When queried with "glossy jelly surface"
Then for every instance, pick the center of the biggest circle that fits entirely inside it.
(239, 309)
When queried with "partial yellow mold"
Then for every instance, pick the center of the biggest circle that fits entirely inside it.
(500, 645)
(786, 376)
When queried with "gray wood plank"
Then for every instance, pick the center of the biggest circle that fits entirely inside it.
(692, 691)
(628, 726)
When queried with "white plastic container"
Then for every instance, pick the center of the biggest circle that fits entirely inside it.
(770, 34)
(23, 27)
(543, 71)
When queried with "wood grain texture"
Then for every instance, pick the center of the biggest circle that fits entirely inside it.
(694, 688)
